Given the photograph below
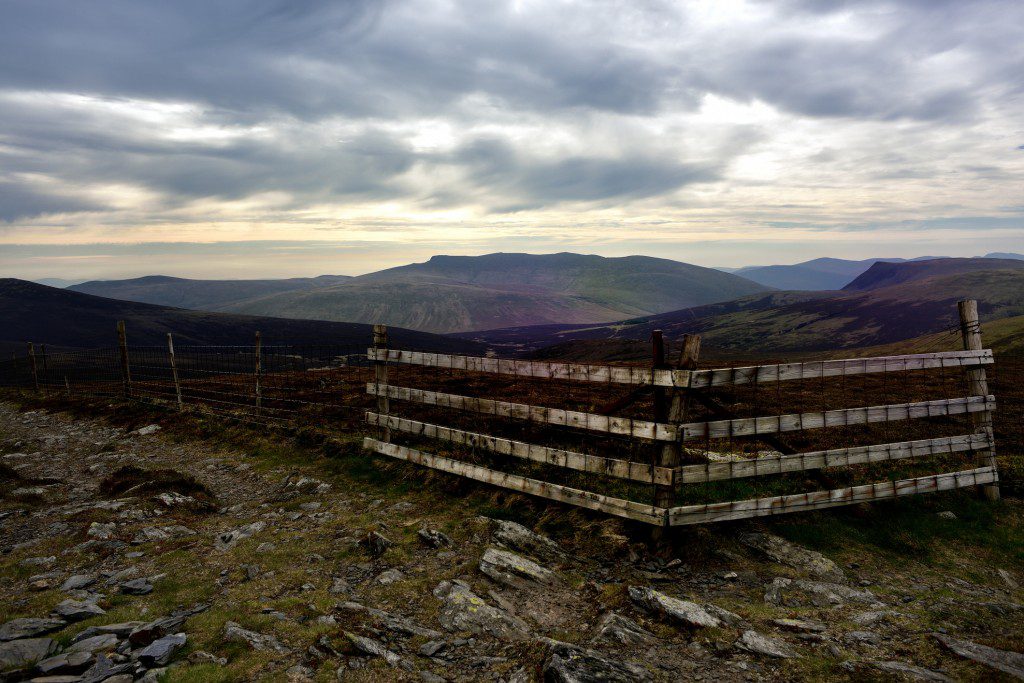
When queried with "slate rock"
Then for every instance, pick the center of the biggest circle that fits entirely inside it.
(619, 630)
(800, 625)
(96, 643)
(518, 537)
(756, 643)
(121, 630)
(376, 543)
(682, 611)
(66, 663)
(29, 627)
(161, 651)
(782, 551)
(100, 531)
(434, 538)
(506, 567)
(373, 648)
(1002, 660)
(464, 610)
(24, 652)
(136, 587)
(572, 664)
(783, 591)
(910, 671)
(226, 540)
(77, 610)
(257, 641)
(78, 582)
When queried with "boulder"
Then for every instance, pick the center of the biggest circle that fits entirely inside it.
(800, 625)
(1002, 660)
(101, 532)
(147, 430)
(682, 611)
(29, 627)
(507, 568)
(376, 543)
(136, 587)
(782, 551)
(572, 664)
(257, 641)
(78, 582)
(107, 671)
(161, 651)
(97, 643)
(66, 663)
(464, 610)
(756, 643)
(165, 533)
(121, 630)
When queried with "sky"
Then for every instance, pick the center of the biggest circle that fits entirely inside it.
(271, 138)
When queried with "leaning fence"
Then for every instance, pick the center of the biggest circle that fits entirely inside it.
(688, 440)
(667, 443)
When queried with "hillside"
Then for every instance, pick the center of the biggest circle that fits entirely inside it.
(797, 321)
(882, 275)
(207, 295)
(816, 274)
(66, 319)
(460, 293)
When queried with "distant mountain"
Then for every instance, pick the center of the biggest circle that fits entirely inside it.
(887, 274)
(816, 274)
(56, 282)
(458, 293)
(64, 319)
(207, 295)
(806, 321)
(1005, 254)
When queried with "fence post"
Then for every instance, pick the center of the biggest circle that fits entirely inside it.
(970, 331)
(67, 386)
(258, 371)
(32, 364)
(671, 453)
(46, 368)
(174, 369)
(380, 376)
(122, 343)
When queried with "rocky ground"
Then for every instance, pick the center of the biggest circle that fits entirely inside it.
(209, 563)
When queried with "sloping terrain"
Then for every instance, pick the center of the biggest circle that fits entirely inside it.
(254, 558)
(822, 322)
(66, 319)
(888, 274)
(457, 293)
(206, 295)
(816, 274)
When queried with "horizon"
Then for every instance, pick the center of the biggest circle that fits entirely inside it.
(355, 137)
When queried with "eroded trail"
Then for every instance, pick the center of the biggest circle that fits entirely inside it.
(127, 554)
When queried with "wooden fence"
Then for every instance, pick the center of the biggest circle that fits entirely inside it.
(669, 466)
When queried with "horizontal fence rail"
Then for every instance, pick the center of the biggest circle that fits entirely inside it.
(693, 379)
(673, 392)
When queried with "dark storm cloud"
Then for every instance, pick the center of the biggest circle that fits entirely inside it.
(279, 65)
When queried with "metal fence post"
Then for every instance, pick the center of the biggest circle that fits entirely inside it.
(174, 369)
(32, 365)
(122, 343)
(970, 331)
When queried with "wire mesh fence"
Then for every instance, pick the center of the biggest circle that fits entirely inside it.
(303, 384)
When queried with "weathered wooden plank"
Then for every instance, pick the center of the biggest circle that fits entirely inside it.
(534, 487)
(520, 411)
(800, 502)
(836, 457)
(584, 462)
(771, 424)
(695, 379)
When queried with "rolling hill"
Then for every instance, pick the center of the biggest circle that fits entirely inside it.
(207, 295)
(461, 293)
(787, 321)
(66, 319)
(816, 274)
(882, 275)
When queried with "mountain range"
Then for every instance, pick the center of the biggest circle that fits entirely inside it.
(64, 319)
(891, 302)
(457, 293)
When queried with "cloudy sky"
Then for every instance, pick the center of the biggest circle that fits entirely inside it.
(297, 137)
